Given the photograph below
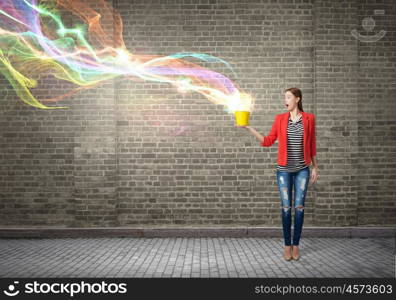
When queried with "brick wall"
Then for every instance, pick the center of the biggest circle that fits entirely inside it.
(139, 153)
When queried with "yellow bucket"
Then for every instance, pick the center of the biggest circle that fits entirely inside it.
(242, 118)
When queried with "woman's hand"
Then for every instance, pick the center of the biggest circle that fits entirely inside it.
(246, 127)
(252, 131)
(314, 175)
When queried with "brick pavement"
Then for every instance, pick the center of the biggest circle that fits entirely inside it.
(195, 257)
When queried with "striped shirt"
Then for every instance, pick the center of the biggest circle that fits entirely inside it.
(295, 154)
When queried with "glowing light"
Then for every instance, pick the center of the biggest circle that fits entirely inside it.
(122, 56)
(35, 42)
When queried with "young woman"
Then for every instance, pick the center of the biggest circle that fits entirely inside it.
(295, 131)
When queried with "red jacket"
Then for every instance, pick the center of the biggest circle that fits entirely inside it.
(279, 130)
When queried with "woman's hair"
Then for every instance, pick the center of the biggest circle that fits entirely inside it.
(297, 93)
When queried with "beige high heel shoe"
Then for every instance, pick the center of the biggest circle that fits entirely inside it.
(288, 257)
(296, 257)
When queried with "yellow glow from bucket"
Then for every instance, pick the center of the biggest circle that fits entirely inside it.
(242, 118)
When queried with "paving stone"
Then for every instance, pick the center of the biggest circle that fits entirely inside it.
(195, 257)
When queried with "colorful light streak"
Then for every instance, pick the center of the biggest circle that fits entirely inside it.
(35, 42)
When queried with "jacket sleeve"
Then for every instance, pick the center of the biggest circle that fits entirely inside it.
(313, 141)
(270, 139)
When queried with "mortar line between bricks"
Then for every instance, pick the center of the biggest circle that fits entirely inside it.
(141, 243)
(204, 255)
(224, 249)
(221, 245)
(274, 245)
(145, 242)
(109, 259)
(25, 260)
(236, 255)
(225, 253)
(161, 250)
(253, 257)
(185, 241)
(177, 254)
(330, 265)
(229, 249)
(117, 146)
(314, 92)
(219, 254)
(130, 262)
(190, 254)
(53, 257)
(172, 242)
(83, 253)
(159, 256)
(60, 261)
(194, 251)
(243, 250)
(79, 250)
(118, 258)
(346, 255)
(211, 240)
(151, 242)
(98, 264)
(256, 246)
(186, 254)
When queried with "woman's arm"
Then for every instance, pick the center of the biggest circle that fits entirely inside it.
(314, 162)
(265, 141)
(255, 133)
(314, 173)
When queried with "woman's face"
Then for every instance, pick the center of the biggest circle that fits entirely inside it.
(291, 101)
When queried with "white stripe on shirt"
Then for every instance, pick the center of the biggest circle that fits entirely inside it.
(295, 150)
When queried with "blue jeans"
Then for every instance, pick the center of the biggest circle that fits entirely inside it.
(286, 181)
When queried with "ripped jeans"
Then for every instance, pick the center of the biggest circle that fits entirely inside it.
(286, 181)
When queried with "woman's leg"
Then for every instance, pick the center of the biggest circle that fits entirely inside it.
(285, 187)
(301, 180)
